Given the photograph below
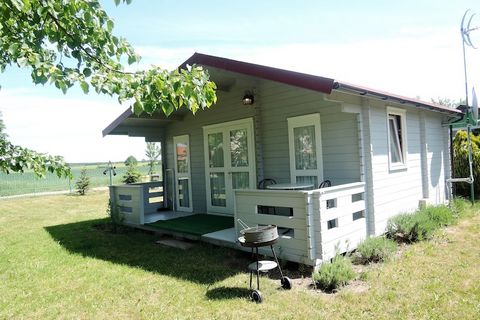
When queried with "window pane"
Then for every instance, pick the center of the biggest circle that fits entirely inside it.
(304, 143)
(182, 157)
(394, 127)
(217, 189)
(308, 180)
(239, 148)
(215, 150)
(240, 180)
(183, 193)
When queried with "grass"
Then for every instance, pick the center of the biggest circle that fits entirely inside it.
(55, 264)
(24, 183)
(198, 224)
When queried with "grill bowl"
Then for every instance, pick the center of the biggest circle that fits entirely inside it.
(260, 234)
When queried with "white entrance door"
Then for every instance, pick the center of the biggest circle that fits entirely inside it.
(229, 162)
(183, 183)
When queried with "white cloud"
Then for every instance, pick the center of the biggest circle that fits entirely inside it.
(65, 126)
(422, 62)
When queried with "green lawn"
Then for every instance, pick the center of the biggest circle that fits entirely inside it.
(55, 264)
(24, 183)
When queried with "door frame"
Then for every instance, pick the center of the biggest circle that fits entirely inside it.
(229, 191)
(186, 139)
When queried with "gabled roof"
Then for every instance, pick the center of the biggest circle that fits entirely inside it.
(293, 78)
(297, 79)
(308, 81)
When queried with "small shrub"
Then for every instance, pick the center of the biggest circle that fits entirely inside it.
(83, 183)
(441, 215)
(331, 276)
(374, 249)
(410, 227)
(132, 175)
(419, 225)
(116, 218)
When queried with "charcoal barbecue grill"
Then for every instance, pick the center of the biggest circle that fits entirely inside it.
(254, 238)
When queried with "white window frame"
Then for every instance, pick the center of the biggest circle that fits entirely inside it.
(303, 121)
(391, 111)
(188, 175)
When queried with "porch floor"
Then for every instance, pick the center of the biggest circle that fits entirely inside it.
(195, 224)
(164, 215)
(220, 237)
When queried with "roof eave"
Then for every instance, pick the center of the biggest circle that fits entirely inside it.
(386, 96)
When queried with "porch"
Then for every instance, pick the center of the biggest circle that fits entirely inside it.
(313, 224)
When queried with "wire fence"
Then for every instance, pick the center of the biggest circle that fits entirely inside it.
(27, 183)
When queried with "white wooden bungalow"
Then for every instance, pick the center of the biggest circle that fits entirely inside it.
(383, 153)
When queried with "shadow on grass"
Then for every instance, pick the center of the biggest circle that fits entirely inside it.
(223, 293)
(203, 263)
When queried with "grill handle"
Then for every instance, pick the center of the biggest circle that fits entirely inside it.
(243, 224)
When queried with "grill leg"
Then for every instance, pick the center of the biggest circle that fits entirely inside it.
(258, 272)
(251, 274)
(276, 260)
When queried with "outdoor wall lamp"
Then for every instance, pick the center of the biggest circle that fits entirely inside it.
(248, 98)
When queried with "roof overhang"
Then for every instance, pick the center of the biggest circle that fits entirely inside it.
(140, 126)
(130, 124)
(387, 96)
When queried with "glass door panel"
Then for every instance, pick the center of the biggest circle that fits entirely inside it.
(239, 148)
(217, 189)
(229, 165)
(183, 184)
(215, 150)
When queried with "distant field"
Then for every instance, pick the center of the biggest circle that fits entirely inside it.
(17, 183)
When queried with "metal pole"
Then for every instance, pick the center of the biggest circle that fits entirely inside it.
(465, 72)
(472, 194)
(452, 165)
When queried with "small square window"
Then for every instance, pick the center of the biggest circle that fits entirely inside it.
(331, 203)
(332, 224)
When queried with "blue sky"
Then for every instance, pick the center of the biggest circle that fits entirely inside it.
(405, 47)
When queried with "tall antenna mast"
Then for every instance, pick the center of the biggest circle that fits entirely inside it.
(465, 30)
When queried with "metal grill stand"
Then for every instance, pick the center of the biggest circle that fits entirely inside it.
(263, 266)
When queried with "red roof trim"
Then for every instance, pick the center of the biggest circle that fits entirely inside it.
(293, 78)
(307, 81)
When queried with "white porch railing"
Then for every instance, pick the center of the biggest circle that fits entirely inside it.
(312, 224)
(136, 200)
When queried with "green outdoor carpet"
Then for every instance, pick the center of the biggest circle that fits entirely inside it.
(197, 224)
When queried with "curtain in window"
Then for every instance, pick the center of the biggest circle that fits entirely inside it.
(215, 150)
(307, 180)
(305, 148)
(183, 193)
(239, 148)
(217, 189)
(240, 180)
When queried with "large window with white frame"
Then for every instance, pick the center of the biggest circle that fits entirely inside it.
(305, 144)
(397, 142)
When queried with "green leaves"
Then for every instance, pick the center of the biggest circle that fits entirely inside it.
(84, 85)
(69, 42)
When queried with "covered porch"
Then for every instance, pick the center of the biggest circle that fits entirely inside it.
(291, 133)
(313, 225)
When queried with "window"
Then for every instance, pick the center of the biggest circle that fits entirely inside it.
(397, 144)
(305, 149)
